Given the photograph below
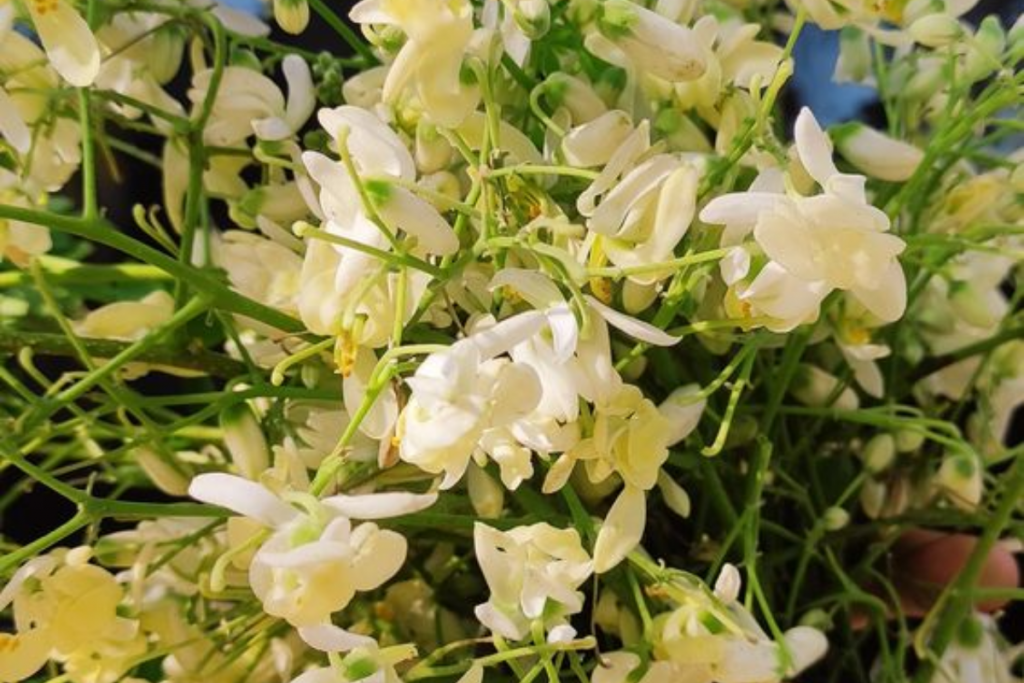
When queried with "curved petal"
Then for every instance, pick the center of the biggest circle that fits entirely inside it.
(637, 329)
(814, 147)
(301, 94)
(888, 300)
(243, 497)
(12, 126)
(331, 638)
(68, 41)
(380, 557)
(622, 529)
(738, 207)
(380, 505)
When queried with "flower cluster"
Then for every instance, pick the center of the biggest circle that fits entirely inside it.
(462, 354)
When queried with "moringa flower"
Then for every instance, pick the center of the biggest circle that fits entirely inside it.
(831, 240)
(430, 63)
(314, 560)
(533, 573)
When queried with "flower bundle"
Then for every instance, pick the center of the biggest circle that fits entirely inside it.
(514, 340)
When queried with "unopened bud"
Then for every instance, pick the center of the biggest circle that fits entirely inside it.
(879, 453)
(960, 476)
(486, 495)
(835, 518)
(728, 584)
(908, 440)
(164, 475)
(291, 15)
(935, 30)
(533, 17)
(244, 440)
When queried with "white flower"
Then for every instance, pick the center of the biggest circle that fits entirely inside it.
(363, 664)
(633, 36)
(260, 268)
(533, 573)
(67, 609)
(315, 561)
(331, 272)
(644, 217)
(832, 240)
(460, 393)
(248, 102)
(979, 654)
(69, 43)
(429, 65)
(621, 530)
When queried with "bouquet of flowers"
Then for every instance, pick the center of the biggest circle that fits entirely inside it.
(507, 340)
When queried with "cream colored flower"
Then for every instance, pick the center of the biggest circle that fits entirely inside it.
(430, 63)
(315, 561)
(67, 609)
(831, 240)
(461, 393)
(247, 103)
(533, 574)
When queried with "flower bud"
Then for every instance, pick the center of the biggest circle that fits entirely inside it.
(683, 410)
(813, 387)
(244, 440)
(486, 495)
(637, 297)
(728, 584)
(594, 143)
(291, 15)
(872, 497)
(533, 17)
(579, 97)
(854, 63)
(879, 453)
(935, 30)
(433, 151)
(675, 496)
(876, 154)
(960, 476)
(908, 440)
(835, 518)
(984, 52)
(163, 474)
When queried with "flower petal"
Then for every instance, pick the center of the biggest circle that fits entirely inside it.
(331, 638)
(243, 497)
(622, 529)
(69, 43)
(814, 147)
(380, 505)
(637, 329)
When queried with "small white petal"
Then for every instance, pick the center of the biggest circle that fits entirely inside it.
(637, 329)
(622, 529)
(380, 505)
(331, 638)
(474, 675)
(676, 497)
(814, 148)
(243, 497)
